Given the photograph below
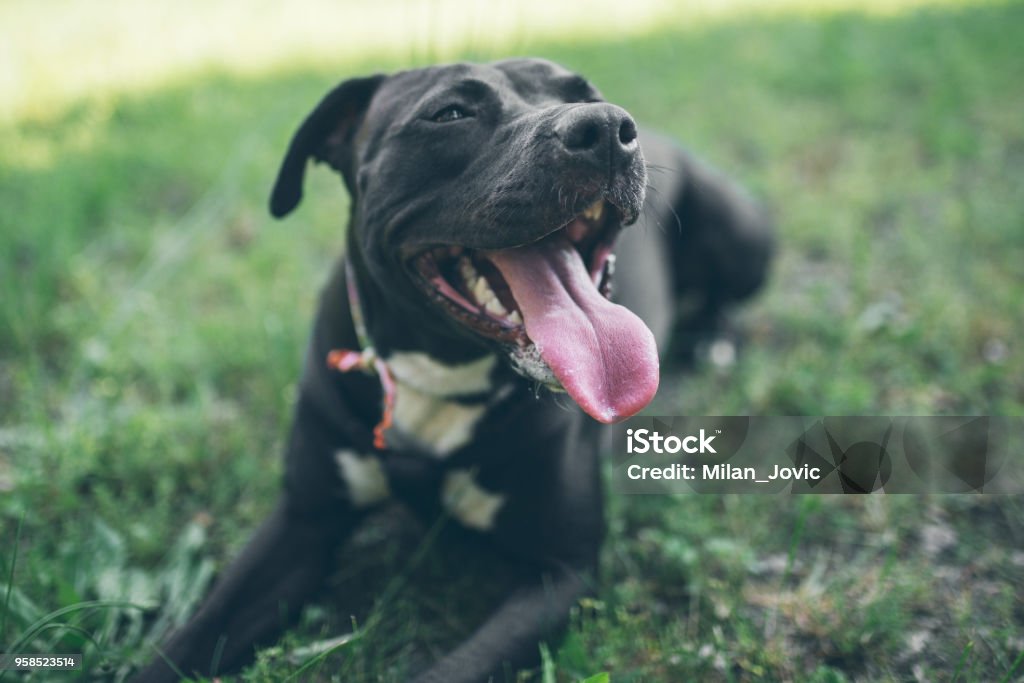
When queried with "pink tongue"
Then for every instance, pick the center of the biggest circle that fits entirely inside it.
(601, 352)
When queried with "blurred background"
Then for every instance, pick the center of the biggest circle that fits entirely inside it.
(153, 319)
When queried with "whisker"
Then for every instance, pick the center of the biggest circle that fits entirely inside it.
(657, 193)
(659, 168)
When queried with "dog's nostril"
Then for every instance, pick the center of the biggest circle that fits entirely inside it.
(627, 131)
(584, 135)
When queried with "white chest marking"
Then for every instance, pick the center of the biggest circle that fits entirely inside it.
(363, 475)
(423, 413)
(467, 502)
(427, 375)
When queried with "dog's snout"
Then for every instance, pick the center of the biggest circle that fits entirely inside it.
(598, 133)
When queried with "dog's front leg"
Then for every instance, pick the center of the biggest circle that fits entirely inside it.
(509, 639)
(258, 596)
(282, 567)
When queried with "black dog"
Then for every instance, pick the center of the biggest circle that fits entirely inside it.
(486, 201)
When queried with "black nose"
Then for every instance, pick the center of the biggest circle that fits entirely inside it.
(598, 133)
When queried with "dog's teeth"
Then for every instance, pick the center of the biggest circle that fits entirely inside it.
(514, 318)
(494, 307)
(467, 271)
(594, 211)
(482, 291)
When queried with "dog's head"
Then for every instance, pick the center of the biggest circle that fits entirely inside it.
(494, 194)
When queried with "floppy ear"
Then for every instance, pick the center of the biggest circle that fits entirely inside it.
(325, 135)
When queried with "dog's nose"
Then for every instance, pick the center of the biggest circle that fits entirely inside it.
(599, 133)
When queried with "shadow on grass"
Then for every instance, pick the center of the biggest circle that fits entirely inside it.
(153, 320)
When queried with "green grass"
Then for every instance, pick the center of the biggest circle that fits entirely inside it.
(152, 321)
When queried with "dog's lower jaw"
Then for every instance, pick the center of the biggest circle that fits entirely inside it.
(527, 361)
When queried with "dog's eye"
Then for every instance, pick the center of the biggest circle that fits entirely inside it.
(450, 113)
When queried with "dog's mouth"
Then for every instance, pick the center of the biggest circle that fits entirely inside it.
(471, 287)
(548, 303)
